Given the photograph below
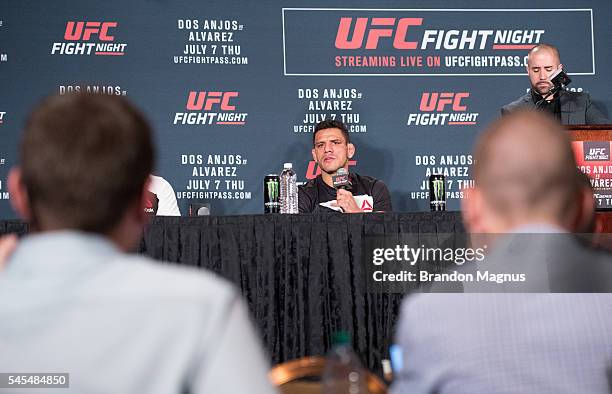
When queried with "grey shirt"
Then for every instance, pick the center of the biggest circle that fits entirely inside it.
(117, 323)
(520, 342)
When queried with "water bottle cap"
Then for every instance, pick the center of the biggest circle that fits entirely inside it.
(341, 338)
(287, 166)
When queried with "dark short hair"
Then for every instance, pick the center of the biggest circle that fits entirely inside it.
(331, 124)
(84, 158)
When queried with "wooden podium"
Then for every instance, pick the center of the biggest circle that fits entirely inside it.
(595, 133)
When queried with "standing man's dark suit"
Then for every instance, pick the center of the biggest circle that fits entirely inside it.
(576, 108)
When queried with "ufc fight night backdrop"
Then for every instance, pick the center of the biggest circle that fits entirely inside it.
(233, 88)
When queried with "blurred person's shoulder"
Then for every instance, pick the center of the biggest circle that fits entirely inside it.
(92, 266)
(140, 276)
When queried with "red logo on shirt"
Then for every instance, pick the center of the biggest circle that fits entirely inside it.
(366, 207)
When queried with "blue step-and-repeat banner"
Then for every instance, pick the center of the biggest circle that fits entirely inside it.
(234, 88)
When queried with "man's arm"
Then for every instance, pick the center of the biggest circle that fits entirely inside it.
(305, 203)
(381, 196)
(592, 114)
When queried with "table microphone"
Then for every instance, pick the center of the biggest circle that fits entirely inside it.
(341, 180)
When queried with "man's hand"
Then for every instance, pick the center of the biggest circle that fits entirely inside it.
(346, 201)
(8, 243)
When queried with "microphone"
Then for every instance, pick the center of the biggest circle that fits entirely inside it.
(341, 180)
(559, 80)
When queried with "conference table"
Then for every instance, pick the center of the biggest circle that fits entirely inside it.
(302, 276)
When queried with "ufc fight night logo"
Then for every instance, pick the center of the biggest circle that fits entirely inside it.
(89, 38)
(211, 107)
(396, 30)
(443, 109)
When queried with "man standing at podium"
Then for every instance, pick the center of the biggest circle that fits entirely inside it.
(568, 107)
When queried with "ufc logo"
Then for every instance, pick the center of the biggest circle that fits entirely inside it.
(438, 101)
(597, 151)
(379, 28)
(206, 100)
(314, 170)
(85, 30)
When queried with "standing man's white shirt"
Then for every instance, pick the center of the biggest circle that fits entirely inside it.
(165, 194)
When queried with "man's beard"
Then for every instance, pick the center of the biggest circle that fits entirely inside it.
(543, 90)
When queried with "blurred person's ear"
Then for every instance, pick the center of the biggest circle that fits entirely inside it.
(8, 244)
(19, 194)
(584, 218)
(128, 231)
(471, 210)
(478, 215)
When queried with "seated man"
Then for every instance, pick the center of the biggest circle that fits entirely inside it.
(73, 301)
(568, 107)
(520, 342)
(332, 150)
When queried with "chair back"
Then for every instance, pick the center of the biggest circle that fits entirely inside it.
(303, 376)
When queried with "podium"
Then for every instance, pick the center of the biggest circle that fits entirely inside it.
(592, 146)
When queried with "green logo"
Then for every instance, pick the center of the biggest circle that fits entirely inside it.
(272, 186)
(438, 189)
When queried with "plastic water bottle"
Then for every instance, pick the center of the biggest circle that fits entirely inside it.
(343, 373)
(288, 190)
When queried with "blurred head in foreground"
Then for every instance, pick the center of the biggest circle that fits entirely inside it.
(525, 173)
(84, 163)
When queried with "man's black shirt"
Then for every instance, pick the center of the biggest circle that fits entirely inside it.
(316, 191)
(553, 107)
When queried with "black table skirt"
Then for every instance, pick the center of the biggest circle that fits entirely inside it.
(301, 275)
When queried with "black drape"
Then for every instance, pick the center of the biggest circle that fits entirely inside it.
(302, 275)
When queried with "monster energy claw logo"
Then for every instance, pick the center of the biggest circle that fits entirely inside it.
(272, 186)
(438, 188)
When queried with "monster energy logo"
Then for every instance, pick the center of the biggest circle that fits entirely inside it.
(272, 186)
(438, 189)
